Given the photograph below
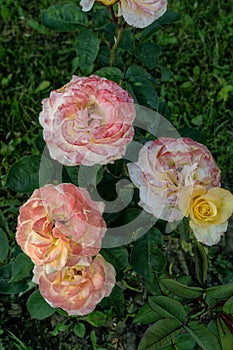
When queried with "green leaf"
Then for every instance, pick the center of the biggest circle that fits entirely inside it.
(93, 340)
(70, 174)
(80, 330)
(225, 335)
(118, 257)
(4, 245)
(220, 292)
(204, 338)
(21, 267)
(167, 307)
(181, 289)
(228, 306)
(96, 318)
(38, 307)
(87, 47)
(146, 258)
(160, 334)
(10, 288)
(143, 86)
(24, 174)
(64, 18)
(201, 262)
(148, 54)
(61, 327)
(146, 315)
(127, 41)
(111, 73)
(185, 342)
(115, 301)
(100, 18)
(193, 134)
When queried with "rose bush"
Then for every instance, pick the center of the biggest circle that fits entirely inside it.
(164, 167)
(208, 210)
(77, 289)
(58, 224)
(137, 13)
(88, 121)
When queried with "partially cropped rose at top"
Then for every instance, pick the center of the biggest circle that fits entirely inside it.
(137, 13)
(58, 224)
(164, 167)
(77, 289)
(88, 121)
(208, 210)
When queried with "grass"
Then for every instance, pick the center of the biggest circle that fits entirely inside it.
(197, 50)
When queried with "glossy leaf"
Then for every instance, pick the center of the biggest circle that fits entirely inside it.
(111, 73)
(143, 86)
(87, 47)
(21, 267)
(201, 262)
(118, 257)
(7, 287)
(225, 335)
(146, 315)
(160, 334)
(220, 292)
(185, 342)
(167, 307)
(115, 301)
(96, 318)
(146, 258)
(228, 306)
(4, 245)
(80, 330)
(181, 290)
(148, 54)
(38, 307)
(204, 338)
(24, 174)
(64, 18)
(100, 18)
(127, 41)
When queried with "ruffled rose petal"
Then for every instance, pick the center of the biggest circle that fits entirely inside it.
(88, 121)
(60, 225)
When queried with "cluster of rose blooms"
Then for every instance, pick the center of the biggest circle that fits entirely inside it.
(90, 121)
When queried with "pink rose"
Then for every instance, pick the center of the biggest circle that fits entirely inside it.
(88, 121)
(58, 224)
(137, 13)
(164, 167)
(77, 289)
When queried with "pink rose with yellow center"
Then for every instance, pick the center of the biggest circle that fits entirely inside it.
(208, 210)
(58, 224)
(137, 13)
(164, 167)
(88, 121)
(79, 288)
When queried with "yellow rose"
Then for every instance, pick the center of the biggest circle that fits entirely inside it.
(208, 210)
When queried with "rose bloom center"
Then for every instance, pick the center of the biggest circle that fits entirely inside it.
(203, 210)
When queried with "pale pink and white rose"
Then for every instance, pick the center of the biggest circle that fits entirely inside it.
(137, 13)
(77, 289)
(164, 167)
(208, 211)
(58, 224)
(88, 121)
